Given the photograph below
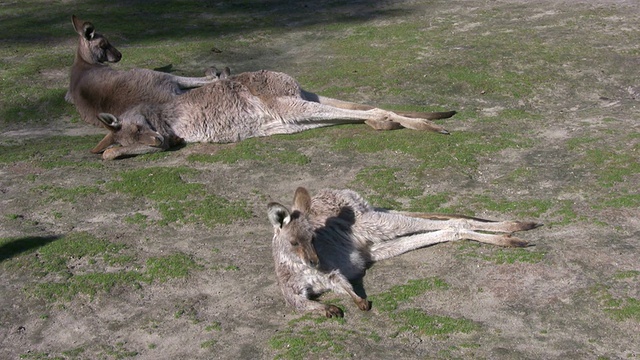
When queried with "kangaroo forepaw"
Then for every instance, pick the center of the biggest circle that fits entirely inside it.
(333, 311)
(211, 72)
(364, 304)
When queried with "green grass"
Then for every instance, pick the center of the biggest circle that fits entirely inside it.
(71, 195)
(74, 264)
(213, 327)
(321, 337)
(611, 165)
(431, 203)
(40, 356)
(312, 341)
(560, 211)
(54, 253)
(170, 267)
(460, 150)
(500, 255)
(616, 296)
(137, 218)
(209, 344)
(178, 200)
(629, 274)
(254, 149)
(418, 321)
(391, 299)
(625, 309)
(156, 269)
(52, 152)
(386, 185)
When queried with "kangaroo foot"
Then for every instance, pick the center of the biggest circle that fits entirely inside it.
(383, 125)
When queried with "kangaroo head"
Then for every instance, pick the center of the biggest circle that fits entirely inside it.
(93, 48)
(133, 133)
(292, 229)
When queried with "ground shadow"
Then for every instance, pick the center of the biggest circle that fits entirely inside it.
(25, 244)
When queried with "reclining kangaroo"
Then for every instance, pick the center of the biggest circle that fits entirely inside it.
(95, 87)
(327, 242)
(149, 111)
(242, 106)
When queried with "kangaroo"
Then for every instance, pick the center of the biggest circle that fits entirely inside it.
(95, 87)
(327, 242)
(237, 107)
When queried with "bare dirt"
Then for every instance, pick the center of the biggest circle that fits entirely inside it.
(562, 306)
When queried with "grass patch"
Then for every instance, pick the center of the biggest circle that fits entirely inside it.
(70, 195)
(430, 203)
(312, 341)
(170, 267)
(459, 150)
(178, 200)
(625, 309)
(620, 201)
(52, 152)
(630, 274)
(208, 344)
(616, 296)
(54, 253)
(216, 326)
(385, 183)
(87, 284)
(500, 255)
(612, 167)
(74, 264)
(390, 300)
(560, 210)
(137, 219)
(118, 351)
(254, 149)
(417, 321)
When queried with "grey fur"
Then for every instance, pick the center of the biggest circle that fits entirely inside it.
(242, 106)
(344, 235)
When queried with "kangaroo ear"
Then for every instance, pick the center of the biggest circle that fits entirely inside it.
(77, 24)
(88, 31)
(279, 215)
(302, 200)
(83, 28)
(110, 121)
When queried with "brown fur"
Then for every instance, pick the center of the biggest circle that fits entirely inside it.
(96, 88)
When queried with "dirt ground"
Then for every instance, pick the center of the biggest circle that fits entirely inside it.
(568, 157)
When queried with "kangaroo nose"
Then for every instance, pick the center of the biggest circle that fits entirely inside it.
(314, 263)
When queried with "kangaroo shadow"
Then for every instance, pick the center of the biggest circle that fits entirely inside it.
(336, 249)
(21, 245)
